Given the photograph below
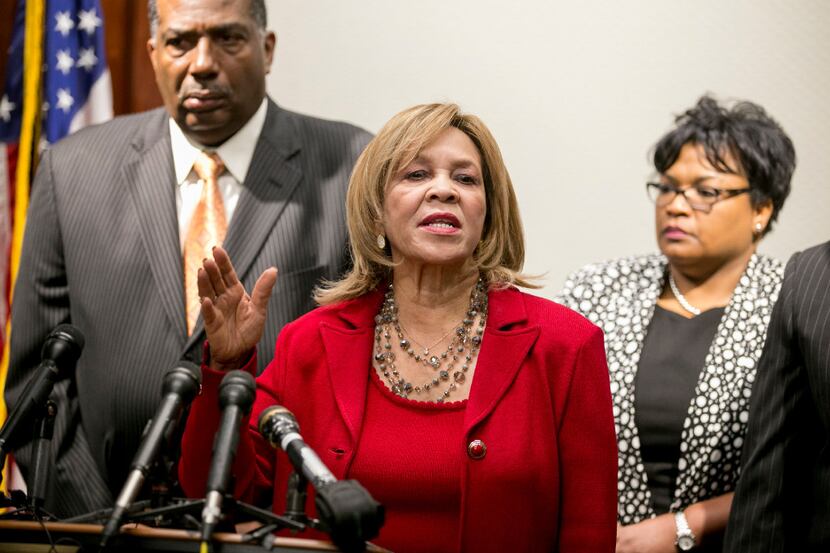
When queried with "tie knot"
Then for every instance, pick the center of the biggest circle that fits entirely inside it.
(208, 166)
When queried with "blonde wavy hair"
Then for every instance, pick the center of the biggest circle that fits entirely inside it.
(499, 255)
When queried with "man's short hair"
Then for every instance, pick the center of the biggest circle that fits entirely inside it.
(257, 11)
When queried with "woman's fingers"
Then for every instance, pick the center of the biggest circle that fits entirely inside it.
(214, 274)
(206, 296)
(208, 312)
(204, 285)
(223, 262)
(263, 288)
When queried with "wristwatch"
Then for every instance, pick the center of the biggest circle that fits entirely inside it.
(685, 536)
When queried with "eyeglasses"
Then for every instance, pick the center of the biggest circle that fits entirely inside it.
(699, 198)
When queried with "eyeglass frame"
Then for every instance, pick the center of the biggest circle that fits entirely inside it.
(722, 194)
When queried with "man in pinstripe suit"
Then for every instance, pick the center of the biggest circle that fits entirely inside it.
(103, 246)
(782, 503)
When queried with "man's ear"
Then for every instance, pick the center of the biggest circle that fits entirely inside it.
(151, 51)
(270, 46)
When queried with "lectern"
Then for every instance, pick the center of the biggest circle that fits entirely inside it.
(34, 537)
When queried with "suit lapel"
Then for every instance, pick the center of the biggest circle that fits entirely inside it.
(639, 310)
(348, 353)
(729, 369)
(506, 344)
(150, 179)
(272, 178)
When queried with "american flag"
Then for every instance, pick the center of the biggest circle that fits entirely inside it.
(65, 39)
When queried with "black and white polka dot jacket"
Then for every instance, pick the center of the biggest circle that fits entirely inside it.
(619, 296)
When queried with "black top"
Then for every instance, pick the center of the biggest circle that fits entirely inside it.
(674, 352)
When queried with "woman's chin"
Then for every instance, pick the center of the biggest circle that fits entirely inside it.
(680, 254)
(441, 259)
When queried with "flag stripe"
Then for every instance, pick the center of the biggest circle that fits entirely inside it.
(29, 130)
(98, 107)
(26, 161)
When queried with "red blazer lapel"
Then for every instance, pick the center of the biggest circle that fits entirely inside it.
(506, 344)
(348, 347)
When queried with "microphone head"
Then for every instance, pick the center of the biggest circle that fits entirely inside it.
(276, 421)
(63, 346)
(184, 379)
(237, 388)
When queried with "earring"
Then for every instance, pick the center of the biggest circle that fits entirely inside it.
(381, 241)
(759, 228)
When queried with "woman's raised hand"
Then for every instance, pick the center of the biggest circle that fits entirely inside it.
(234, 321)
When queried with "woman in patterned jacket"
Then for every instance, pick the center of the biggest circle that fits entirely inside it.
(684, 329)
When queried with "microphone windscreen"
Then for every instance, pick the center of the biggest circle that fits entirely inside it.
(265, 418)
(63, 346)
(237, 388)
(70, 333)
(185, 379)
(275, 422)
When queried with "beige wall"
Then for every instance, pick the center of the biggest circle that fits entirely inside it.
(576, 93)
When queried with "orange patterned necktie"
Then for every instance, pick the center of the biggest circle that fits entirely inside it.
(207, 229)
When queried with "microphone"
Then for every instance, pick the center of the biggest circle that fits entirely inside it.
(279, 428)
(236, 396)
(179, 387)
(345, 507)
(59, 355)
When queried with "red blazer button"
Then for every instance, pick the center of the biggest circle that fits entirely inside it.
(477, 450)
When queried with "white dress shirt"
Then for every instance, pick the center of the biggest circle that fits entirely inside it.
(236, 153)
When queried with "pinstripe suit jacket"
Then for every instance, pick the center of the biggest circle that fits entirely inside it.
(782, 503)
(102, 251)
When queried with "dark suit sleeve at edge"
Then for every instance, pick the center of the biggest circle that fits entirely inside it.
(770, 511)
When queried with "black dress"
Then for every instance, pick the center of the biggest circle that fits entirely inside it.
(673, 355)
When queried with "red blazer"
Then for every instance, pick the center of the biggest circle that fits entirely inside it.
(540, 401)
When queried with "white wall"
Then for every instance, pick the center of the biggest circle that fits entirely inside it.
(576, 94)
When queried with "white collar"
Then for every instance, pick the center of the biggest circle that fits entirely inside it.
(236, 152)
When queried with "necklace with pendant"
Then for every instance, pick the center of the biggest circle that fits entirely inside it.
(459, 355)
(426, 349)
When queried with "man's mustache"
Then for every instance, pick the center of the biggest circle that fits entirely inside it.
(203, 92)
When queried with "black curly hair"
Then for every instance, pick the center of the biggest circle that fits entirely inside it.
(745, 133)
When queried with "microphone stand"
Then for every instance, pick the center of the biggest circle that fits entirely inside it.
(185, 512)
(44, 425)
(162, 485)
(185, 509)
(162, 481)
(295, 501)
(295, 510)
(347, 513)
(165, 512)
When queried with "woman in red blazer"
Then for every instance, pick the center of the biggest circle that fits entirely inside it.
(480, 416)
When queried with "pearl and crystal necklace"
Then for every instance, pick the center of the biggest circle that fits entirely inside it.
(684, 303)
(462, 349)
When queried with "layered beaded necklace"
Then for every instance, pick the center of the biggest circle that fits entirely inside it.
(459, 355)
